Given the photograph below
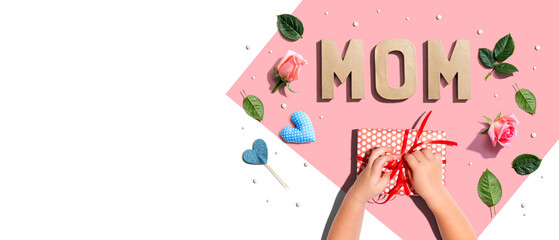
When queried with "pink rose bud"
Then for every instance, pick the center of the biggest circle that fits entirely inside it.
(503, 130)
(290, 66)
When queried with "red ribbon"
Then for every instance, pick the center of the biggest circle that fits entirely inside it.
(399, 166)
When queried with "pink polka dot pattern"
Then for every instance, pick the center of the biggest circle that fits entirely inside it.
(368, 138)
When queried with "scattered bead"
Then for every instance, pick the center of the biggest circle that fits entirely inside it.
(533, 135)
(407, 18)
(254, 181)
(522, 205)
(479, 32)
(524, 214)
(470, 163)
(321, 117)
(326, 13)
(542, 176)
(439, 17)
(242, 128)
(283, 105)
(355, 24)
(270, 51)
(305, 164)
(247, 47)
(534, 68)
(253, 77)
(537, 47)
(276, 153)
(297, 204)
(378, 10)
(267, 200)
(496, 95)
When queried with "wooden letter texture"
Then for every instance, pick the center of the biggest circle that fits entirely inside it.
(438, 62)
(352, 62)
(410, 74)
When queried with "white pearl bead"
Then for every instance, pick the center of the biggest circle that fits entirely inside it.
(326, 13)
(321, 117)
(534, 68)
(439, 17)
(298, 204)
(254, 181)
(496, 95)
(470, 163)
(247, 47)
(283, 105)
(533, 135)
(407, 18)
(378, 10)
(479, 31)
(252, 77)
(537, 47)
(305, 164)
(270, 51)
(522, 205)
(355, 24)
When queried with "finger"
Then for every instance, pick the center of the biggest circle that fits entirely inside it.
(419, 156)
(411, 160)
(377, 153)
(384, 179)
(380, 162)
(438, 157)
(428, 153)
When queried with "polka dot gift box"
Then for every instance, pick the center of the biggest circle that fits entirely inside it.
(368, 139)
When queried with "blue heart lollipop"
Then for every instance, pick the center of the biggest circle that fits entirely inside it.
(259, 154)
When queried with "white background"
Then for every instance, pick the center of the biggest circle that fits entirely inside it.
(114, 124)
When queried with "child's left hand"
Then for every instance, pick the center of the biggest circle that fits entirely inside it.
(372, 180)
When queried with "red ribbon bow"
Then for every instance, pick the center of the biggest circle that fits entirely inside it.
(399, 166)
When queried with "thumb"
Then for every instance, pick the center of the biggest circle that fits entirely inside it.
(384, 179)
(408, 173)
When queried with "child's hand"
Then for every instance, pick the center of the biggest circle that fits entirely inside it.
(372, 181)
(426, 172)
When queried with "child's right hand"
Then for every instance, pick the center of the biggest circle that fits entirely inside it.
(426, 173)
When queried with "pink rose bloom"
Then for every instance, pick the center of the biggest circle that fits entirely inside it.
(503, 130)
(290, 66)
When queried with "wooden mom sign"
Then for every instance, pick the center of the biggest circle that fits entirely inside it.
(353, 63)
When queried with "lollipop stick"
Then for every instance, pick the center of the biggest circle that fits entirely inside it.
(277, 177)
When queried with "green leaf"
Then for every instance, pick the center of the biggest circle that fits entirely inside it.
(526, 164)
(485, 131)
(486, 57)
(254, 107)
(488, 120)
(498, 116)
(290, 27)
(489, 189)
(526, 100)
(504, 48)
(505, 68)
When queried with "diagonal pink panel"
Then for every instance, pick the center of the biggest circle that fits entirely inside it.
(332, 152)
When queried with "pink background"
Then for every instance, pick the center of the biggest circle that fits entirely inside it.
(332, 152)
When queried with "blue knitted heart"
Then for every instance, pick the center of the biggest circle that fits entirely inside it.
(257, 156)
(304, 131)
